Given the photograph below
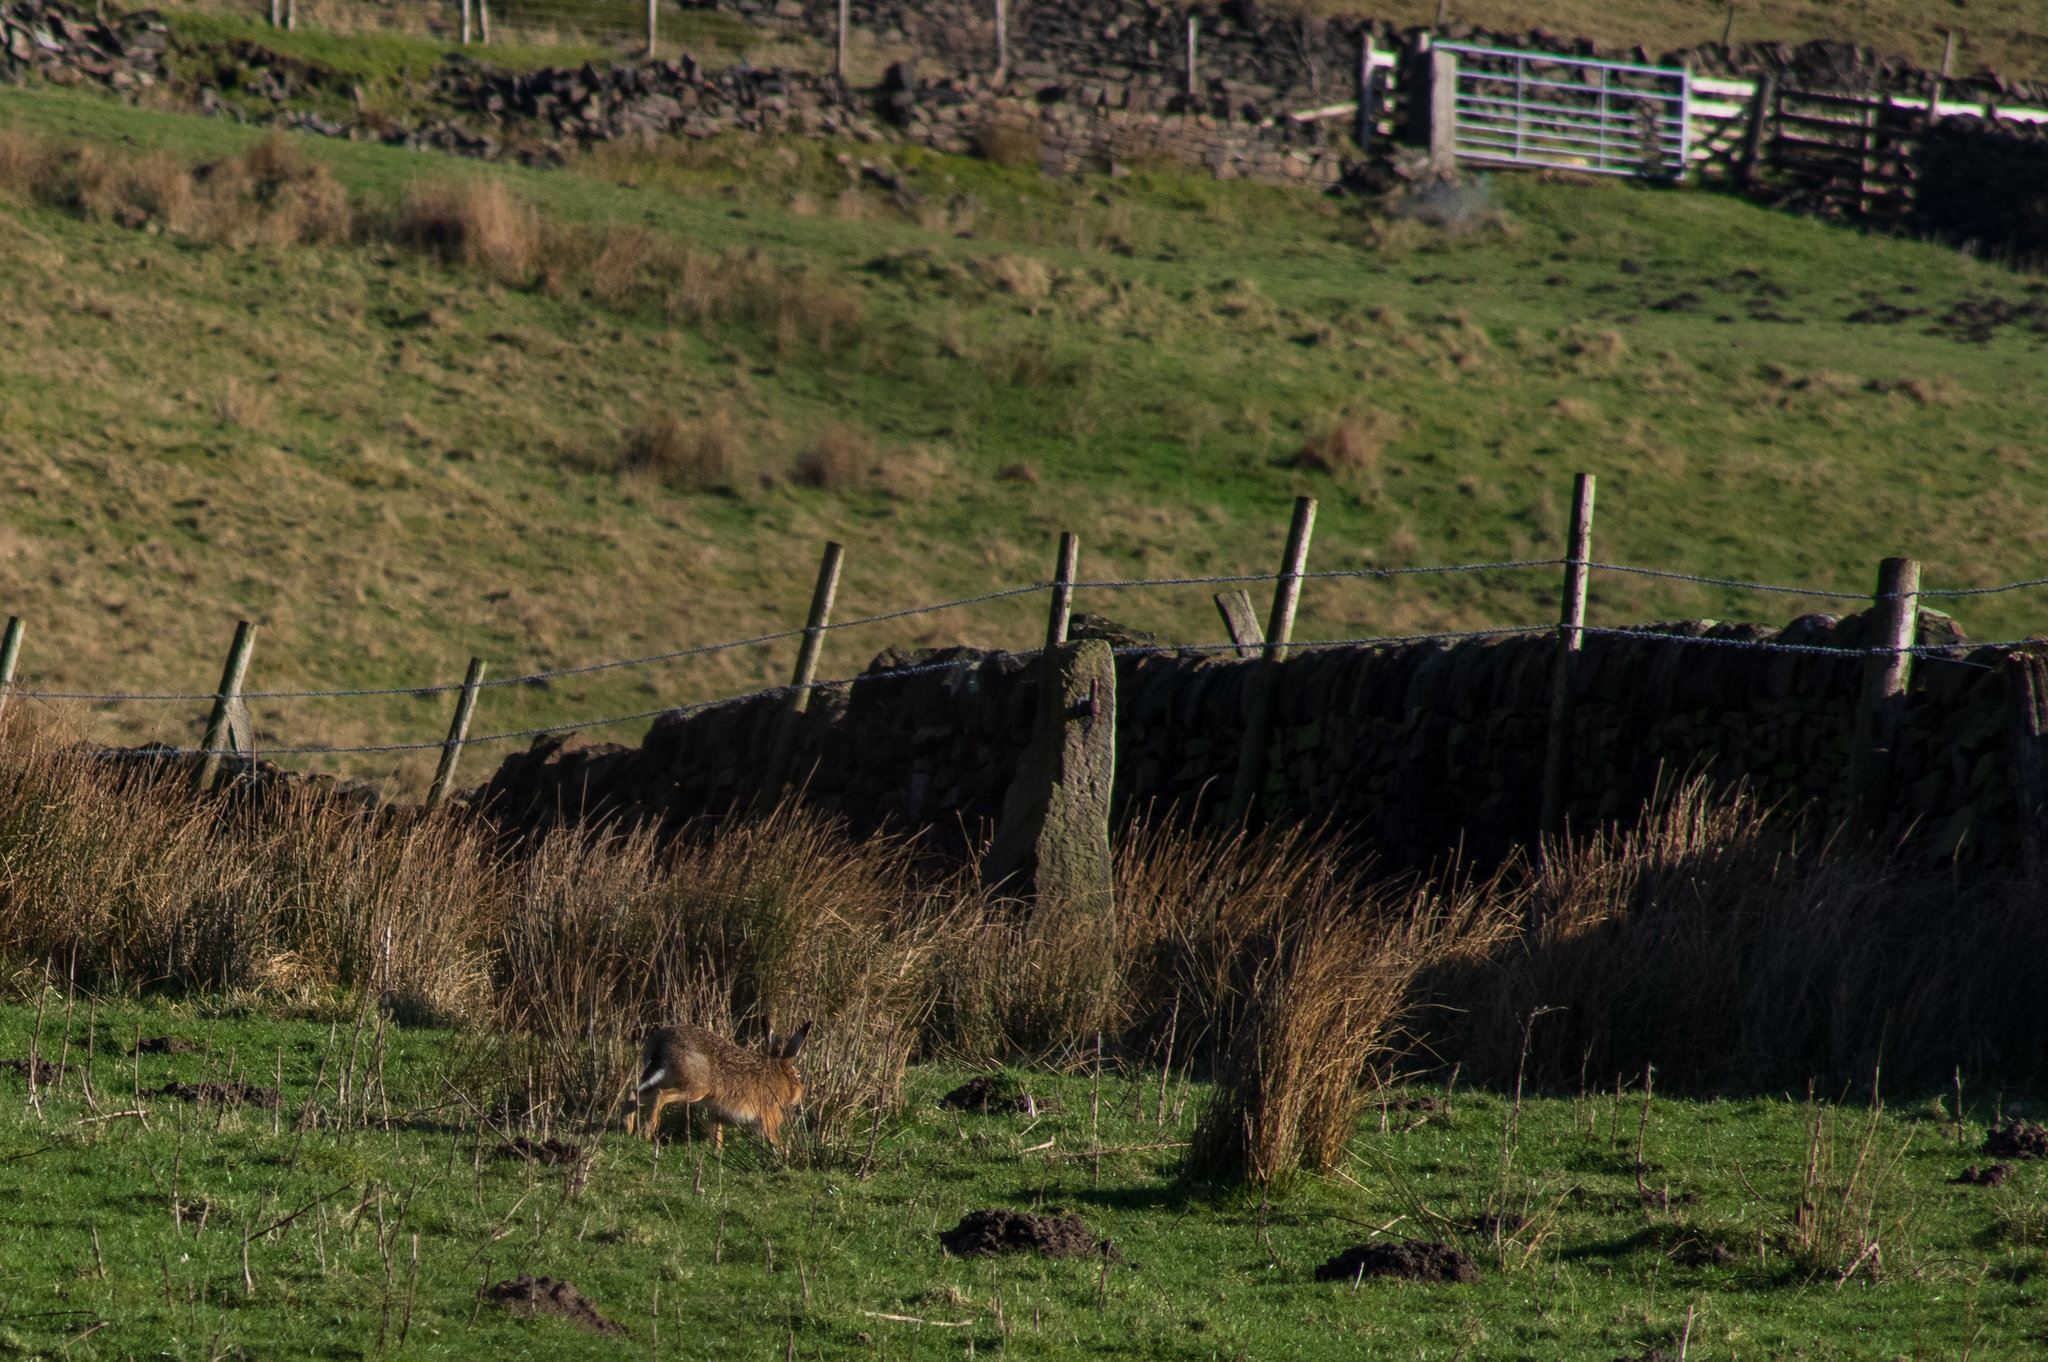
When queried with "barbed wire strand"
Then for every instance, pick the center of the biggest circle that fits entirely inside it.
(1818, 649)
(690, 708)
(1730, 582)
(531, 678)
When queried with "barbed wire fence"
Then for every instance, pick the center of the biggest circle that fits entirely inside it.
(1890, 643)
(637, 27)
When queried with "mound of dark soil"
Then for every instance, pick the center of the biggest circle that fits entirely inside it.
(219, 1094)
(164, 1045)
(525, 1295)
(2017, 1139)
(1990, 1175)
(46, 1072)
(984, 1234)
(1654, 1355)
(984, 1094)
(1414, 1260)
(551, 1152)
(973, 1095)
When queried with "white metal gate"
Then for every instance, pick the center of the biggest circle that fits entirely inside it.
(1572, 113)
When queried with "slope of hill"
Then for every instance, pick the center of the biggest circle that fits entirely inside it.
(627, 425)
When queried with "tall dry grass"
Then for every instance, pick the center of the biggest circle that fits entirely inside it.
(111, 869)
(477, 223)
(270, 195)
(774, 922)
(1707, 941)
(1712, 941)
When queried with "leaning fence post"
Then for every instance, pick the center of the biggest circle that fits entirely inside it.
(1571, 637)
(1241, 622)
(458, 732)
(1894, 617)
(10, 653)
(1062, 607)
(1258, 722)
(224, 700)
(799, 700)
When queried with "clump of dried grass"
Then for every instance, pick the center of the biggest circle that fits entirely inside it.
(111, 864)
(752, 289)
(837, 458)
(1351, 446)
(477, 223)
(615, 273)
(271, 195)
(1845, 1214)
(708, 454)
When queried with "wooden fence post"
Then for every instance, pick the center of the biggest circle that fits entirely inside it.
(483, 18)
(465, 21)
(839, 58)
(650, 27)
(10, 653)
(224, 700)
(1948, 57)
(1366, 110)
(1258, 722)
(458, 730)
(800, 679)
(1241, 622)
(1443, 110)
(2026, 681)
(1756, 136)
(1571, 636)
(1062, 606)
(1194, 32)
(1894, 620)
(291, 16)
(1002, 42)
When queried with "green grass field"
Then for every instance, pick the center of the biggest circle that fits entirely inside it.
(391, 464)
(753, 1260)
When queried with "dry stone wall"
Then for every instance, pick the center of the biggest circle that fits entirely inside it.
(1419, 752)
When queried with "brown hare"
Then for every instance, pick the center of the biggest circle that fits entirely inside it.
(690, 1064)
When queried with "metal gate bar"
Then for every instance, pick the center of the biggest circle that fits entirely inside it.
(1571, 113)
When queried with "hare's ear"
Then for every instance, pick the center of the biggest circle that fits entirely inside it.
(796, 1042)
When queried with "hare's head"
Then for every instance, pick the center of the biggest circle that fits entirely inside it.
(784, 1053)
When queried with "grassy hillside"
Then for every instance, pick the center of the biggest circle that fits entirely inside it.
(634, 436)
